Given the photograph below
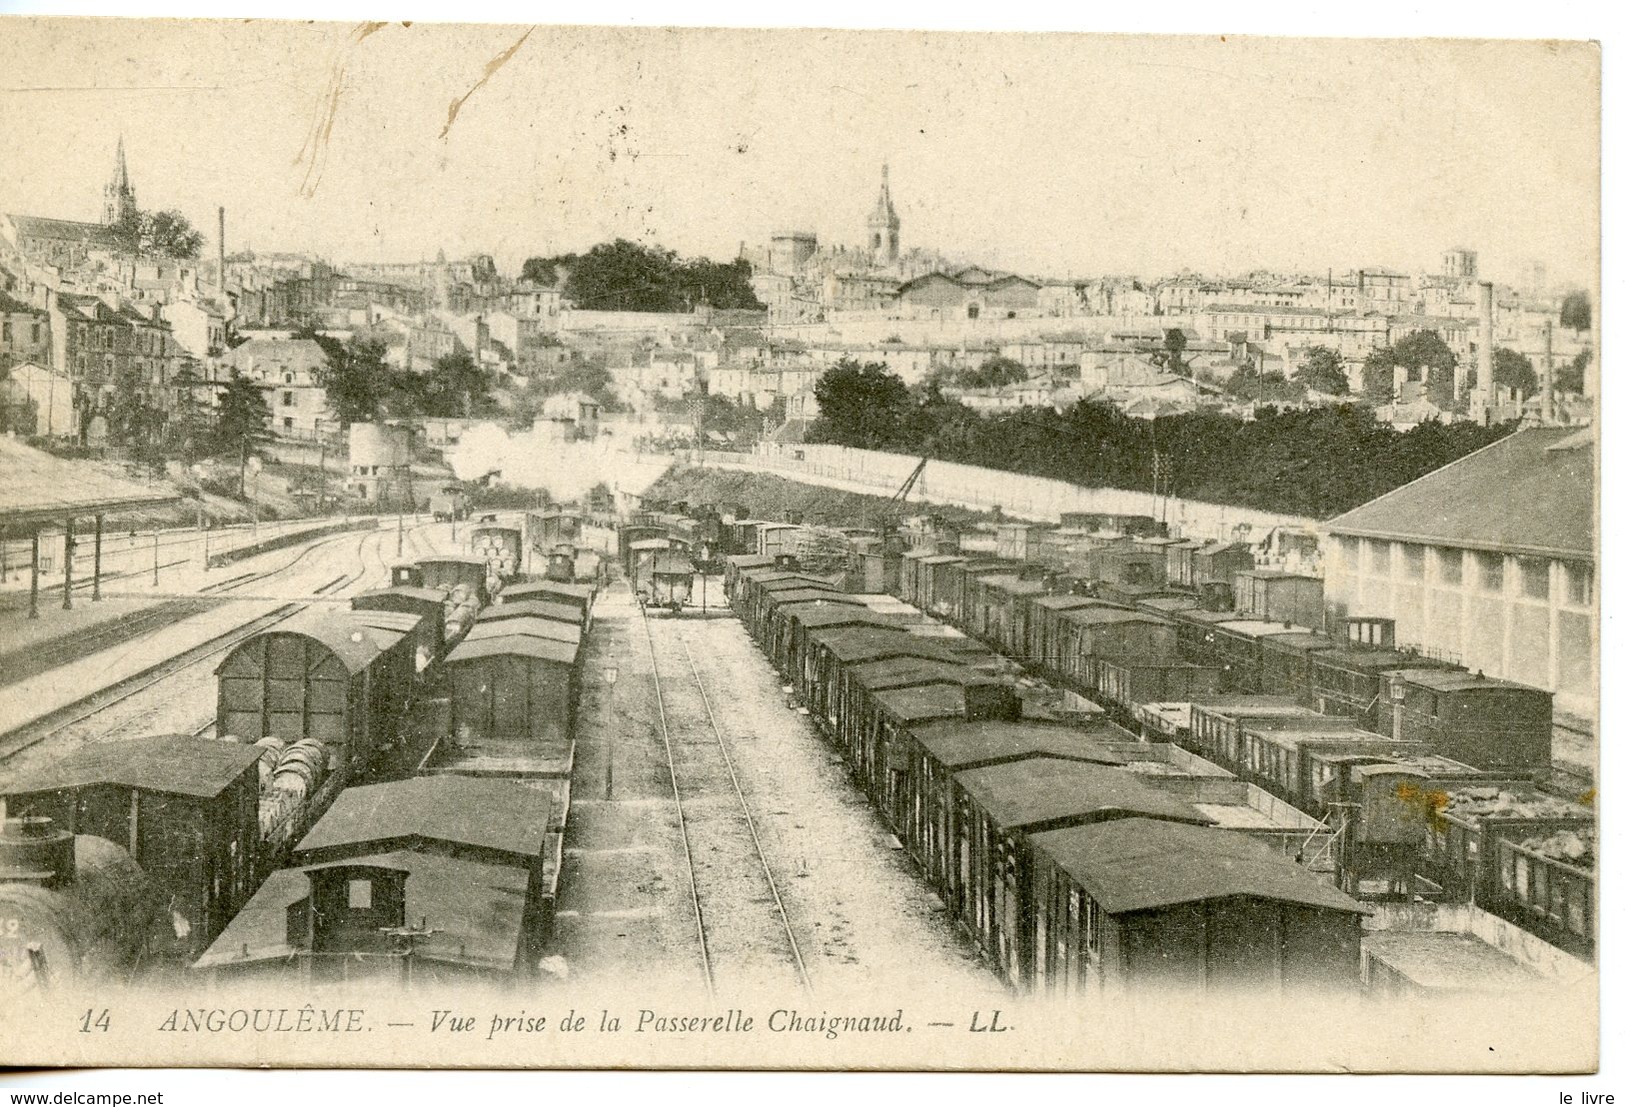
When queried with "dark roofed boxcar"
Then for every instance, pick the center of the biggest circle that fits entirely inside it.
(324, 676)
(429, 604)
(1142, 904)
(448, 571)
(534, 609)
(512, 696)
(1005, 805)
(922, 802)
(186, 808)
(1493, 724)
(1349, 681)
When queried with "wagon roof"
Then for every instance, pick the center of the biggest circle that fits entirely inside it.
(1236, 704)
(923, 701)
(451, 559)
(1067, 602)
(902, 672)
(526, 626)
(852, 644)
(1258, 628)
(1171, 603)
(1016, 584)
(1368, 660)
(178, 764)
(672, 563)
(406, 591)
(962, 744)
(816, 613)
(1138, 864)
(513, 645)
(1043, 789)
(539, 609)
(491, 814)
(650, 544)
(353, 643)
(400, 622)
(479, 908)
(545, 588)
(1300, 640)
(814, 596)
(783, 578)
(749, 561)
(940, 559)
(1458, 680)
(1102, 613)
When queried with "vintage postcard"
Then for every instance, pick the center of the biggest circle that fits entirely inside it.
(603, 547)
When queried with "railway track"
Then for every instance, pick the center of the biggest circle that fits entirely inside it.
(742, 928)
(88, 707)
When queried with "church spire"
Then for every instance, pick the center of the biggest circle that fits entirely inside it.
(883, 223)
(118, 198)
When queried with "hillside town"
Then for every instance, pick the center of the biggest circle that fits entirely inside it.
(110, 337)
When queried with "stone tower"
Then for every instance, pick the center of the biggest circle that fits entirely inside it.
(118, 198)
(883, 222)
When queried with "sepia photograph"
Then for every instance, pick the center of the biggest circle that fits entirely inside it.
(530, 545)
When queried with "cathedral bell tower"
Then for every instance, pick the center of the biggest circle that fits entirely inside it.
(118, 198)
(883, 223)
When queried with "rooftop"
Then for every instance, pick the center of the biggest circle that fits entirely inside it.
(1457, 962)
(475, 911)
(1531, 493)
(964, 744)
(1136, 864)
(178, 764)
(1042, 790)
(496, 815)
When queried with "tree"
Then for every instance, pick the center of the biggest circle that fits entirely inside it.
(1415, 352)
(1173, 342)
(543, 271)
(242, 416)
(1322, 371)
(456, 386)
(1572, 377)
(170, 234)
(859, 405)
(1576, 311)
(164, 233)
(1378, 387)
(356, 379)
(630, 276)
(995, 372)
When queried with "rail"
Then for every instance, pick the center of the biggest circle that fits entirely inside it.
(88, 707)
(802, 975)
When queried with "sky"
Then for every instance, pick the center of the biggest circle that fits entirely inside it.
(1054, 155)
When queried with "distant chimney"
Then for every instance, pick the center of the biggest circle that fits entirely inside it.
(1486, 352)
(1547, 414)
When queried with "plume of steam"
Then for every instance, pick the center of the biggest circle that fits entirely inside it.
(538, 458)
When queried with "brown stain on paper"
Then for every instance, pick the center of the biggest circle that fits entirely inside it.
(491, 67)
(314, 152)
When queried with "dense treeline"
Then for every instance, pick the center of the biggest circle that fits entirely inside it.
(630, 276)
(1316, 462)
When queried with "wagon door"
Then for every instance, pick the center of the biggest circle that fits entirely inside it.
(241, 707)
(510, 696)
(471, 697)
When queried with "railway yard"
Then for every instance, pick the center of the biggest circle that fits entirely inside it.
(727, 756)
